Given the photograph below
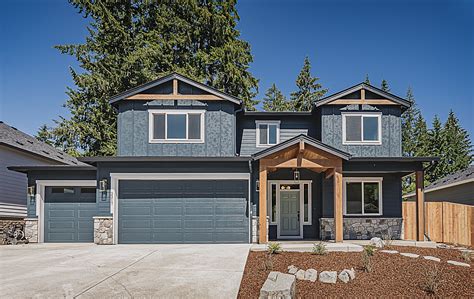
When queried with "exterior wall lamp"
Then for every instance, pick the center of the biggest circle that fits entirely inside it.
(296, 175)
(32, 194)
(103, 185)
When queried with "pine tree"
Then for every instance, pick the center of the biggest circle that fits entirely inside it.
(457, 147)
(274, 100)
(367, 81)
(436, 149)
(384, 86)
(309, 90)
(409, 118)
(132, 42)
(44, 135)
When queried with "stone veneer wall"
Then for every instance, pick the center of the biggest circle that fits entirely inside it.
(103, 230)
(363, 228)
(5, 224)
(31, 229)
(255, 229)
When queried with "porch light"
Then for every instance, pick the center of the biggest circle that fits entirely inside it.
(296, 175)
(31, 194)
(257, 186)
(103, 185)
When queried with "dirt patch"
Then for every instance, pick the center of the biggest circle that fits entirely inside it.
(392, 275)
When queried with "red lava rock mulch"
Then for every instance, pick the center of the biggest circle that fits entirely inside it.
(392, 275)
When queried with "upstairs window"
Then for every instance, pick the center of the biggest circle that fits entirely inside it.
(176, 126)
(359, 128)
(268, 133)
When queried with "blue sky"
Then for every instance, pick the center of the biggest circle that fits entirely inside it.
(428, 45)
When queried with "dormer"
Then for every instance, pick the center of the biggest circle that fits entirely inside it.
(363, 120)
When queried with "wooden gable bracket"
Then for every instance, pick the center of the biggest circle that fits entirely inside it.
(330, 172)
(175, 86)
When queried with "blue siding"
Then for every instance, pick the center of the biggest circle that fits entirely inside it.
(219, 130)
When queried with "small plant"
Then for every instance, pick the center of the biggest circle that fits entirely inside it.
(268, 262)
(367, 254)
(387, 240)
(466, 256)
(432, 280)
(319, 248)
(274, 247)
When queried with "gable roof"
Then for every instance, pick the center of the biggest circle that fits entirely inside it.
(14, 138)
(306, 139)
(170, 77)
(365, 86)
(458, 178)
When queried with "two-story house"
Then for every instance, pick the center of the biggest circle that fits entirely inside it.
(194, 166)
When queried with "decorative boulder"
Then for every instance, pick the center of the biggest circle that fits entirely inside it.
(292, 269)
(311, 275)
(300, 274)
(377, 242)
(350, 273)
(328, 277)
(344, 277)
(278, 285)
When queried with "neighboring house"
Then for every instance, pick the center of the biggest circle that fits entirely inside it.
(193, 166)
(18, 148)
(456, 188)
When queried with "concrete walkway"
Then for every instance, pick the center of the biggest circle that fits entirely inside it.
(125, 271)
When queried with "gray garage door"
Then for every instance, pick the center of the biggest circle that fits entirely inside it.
(186, 211)
(68, 213)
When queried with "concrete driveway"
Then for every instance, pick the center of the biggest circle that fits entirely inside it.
(125, 271)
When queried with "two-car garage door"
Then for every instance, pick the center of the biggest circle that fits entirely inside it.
(183, 211)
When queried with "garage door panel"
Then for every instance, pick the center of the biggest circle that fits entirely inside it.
(137, 211)
(61, 237)
(184, 212)
(59, 225)
(61, 213)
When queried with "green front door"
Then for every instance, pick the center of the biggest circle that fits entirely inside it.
(289, 213)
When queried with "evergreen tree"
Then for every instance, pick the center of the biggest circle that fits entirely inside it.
(274, 100)
(457, 148)
(132, 42)
(44, 135)
(436, 149)
(367, 81)
(384, 86)
(409, 118)
(309, 90)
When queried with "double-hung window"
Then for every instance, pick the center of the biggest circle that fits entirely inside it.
(268, 133)
(176, 126)
(362, 128)
(362, 196)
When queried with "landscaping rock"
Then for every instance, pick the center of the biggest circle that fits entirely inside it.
(432, 258)
(328, 277)
(350, 272)
(412, 255)
(442, 246)
(389, 251)
(344, 277)
(458, 264)
(278, 285)
(292, 269)
(300, 274)
(377, 242)
(311, 275)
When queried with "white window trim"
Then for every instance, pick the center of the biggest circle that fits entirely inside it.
(362, 142)
(266, 122)
(362, 180)
(287, 182)
(151, 112)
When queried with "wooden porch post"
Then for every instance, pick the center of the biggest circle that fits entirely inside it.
(262, 210)
(420, 206)
(338, 222)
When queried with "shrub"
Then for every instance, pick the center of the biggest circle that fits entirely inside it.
(369, 250)
(432, 281)
(387, 240)
(319, 248)
(466, 256)
(273, 247)
(367, 254)
(268, 262)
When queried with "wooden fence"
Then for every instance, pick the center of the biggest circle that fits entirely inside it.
(444, 222)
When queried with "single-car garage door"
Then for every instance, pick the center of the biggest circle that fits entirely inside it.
(183, 211)
(68, 213)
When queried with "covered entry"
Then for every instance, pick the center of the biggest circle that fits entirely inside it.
(183, 210)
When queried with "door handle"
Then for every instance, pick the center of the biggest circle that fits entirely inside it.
(298, 213)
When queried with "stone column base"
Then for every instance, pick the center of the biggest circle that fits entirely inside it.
(254, 230)
(363, 228)
(31, 229)
(103, 230)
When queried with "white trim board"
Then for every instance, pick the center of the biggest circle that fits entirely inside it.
(116, 177)
(166, 112)
(362, 115)
(39, 197)
(268, 123)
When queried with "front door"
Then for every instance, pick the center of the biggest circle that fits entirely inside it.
(289, 213)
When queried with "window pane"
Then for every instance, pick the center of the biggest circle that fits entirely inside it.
(371, 130)
(371, 197)
(194, 126)
(88, 190)
(263, 134)
(306, 203)
(176, 126)
(64, 190)
(158, 126)
(353, 128)
(272, 134)
(354, 198)
(274, 203)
